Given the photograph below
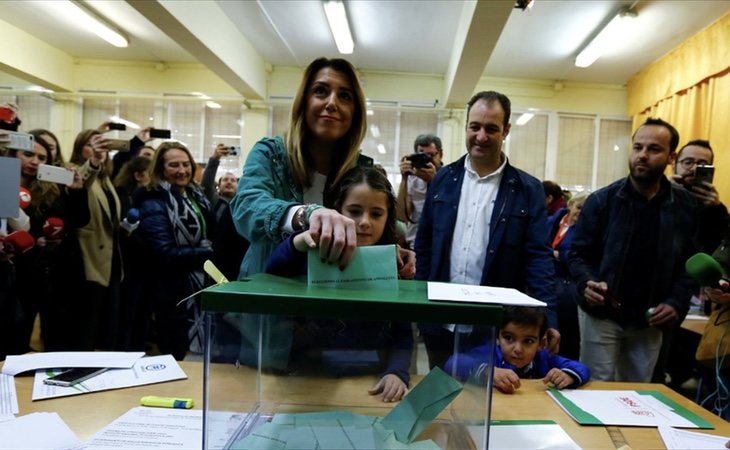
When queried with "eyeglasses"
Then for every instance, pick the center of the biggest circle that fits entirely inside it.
(689, 162)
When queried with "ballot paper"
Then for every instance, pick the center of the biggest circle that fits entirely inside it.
(15, 364)
(680, 439)
(371, 267)
(454, 292)
(164, 428)
(40, 430)
(8, 396)
(154, 369)
(625, 408)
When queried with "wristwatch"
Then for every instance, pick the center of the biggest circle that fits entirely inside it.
(300, 219)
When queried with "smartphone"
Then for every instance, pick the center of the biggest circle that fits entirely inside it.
(121, 145)
(117, 126)
(55, 174)
(74, 376)
(704, 173)
(160, 134)
(18, 141)
(234, 150)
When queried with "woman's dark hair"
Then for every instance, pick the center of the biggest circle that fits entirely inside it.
(77, 155)
(43, 194)
(297, 133)
(377, 181)
(125, 178)
(38, 133)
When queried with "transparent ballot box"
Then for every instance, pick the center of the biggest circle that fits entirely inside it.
(292, 366)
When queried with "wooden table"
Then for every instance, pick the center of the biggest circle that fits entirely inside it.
(86, 414)
(695, 325)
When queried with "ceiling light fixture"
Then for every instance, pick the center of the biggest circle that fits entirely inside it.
(524, 118)
(85, 19)
(613, 31)
(213, 105)
(337, 18)
(381, 149)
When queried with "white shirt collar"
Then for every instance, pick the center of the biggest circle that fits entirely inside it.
(469, 168)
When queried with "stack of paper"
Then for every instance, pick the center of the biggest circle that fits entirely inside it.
(37, 431)
(8, 397)
(154, 369)
(532, 434)
(680, 440)
(626, 408)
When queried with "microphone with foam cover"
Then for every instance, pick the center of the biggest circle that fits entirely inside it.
(707, 271)
(18, 242)
(131, 221)
(53, 228)
(24, 197)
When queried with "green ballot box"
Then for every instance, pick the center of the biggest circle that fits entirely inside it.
(290, 365)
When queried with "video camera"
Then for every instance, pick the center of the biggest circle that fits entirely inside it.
(419, 160)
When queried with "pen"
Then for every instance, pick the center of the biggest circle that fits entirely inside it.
(166, 402)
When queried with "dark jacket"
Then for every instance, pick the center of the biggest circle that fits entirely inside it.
(393, 341)
(518, 255)
(601, 244)
(473, 363)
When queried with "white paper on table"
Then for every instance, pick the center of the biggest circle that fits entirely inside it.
(145, 428)
(623, 408)
(154, 369)
(680, 440)
(15, 364)
(533, 436)
(696, 317)
(455, 292)
(38, 431)
(8, 396)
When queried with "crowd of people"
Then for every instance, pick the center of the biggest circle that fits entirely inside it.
(609, 266)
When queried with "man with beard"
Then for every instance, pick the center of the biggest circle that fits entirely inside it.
(627, 258)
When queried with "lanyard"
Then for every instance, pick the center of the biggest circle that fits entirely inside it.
(199, 213)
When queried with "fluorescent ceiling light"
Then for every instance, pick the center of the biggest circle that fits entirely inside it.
(117, 119)
(213, 105)
(381, 149)
(614, 31)
(524, 118)
(40, 89)
(227, 136)
(85, 20)
(375, 131)
(337, 18)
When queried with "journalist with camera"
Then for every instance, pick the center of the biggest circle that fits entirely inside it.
(417, 170)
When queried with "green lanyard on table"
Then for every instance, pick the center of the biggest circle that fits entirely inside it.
(199, 213)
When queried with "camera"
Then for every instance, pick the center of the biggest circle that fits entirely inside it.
(234, 150)
(117, 126)
(419, 160)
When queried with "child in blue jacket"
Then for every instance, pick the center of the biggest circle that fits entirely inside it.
(521, 353)
(346, 347)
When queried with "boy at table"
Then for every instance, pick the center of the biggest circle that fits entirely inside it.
(521, 353)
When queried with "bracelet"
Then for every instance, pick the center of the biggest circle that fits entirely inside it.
(310, 209)
(300, 219)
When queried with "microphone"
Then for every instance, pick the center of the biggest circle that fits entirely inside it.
(24, 197)
(53, 228)
(707, 271)
(18, 242)
(131, 222)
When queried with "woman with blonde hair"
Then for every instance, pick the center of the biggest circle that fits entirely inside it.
(561, 226)
(176, 224)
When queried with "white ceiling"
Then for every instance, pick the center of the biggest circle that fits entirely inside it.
(402, 36)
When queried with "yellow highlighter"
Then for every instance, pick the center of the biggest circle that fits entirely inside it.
(166, 402)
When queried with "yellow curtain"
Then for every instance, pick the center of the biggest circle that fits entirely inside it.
(690, 88)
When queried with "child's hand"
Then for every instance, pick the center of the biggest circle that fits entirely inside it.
(506, 381)
(304, 241)
(392, 388)
(558, 378)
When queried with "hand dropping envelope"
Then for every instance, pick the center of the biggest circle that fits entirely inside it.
(426, 401)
